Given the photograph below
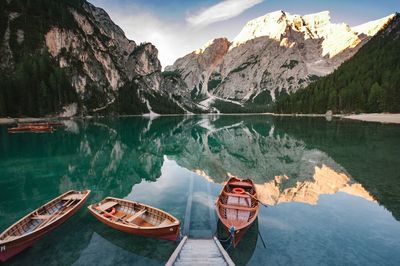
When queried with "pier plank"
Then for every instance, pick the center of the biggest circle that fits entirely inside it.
(199, 252)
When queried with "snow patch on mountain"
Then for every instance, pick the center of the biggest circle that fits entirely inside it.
(371, 28)
(275, 53)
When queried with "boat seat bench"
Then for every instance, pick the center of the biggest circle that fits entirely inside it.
(236, 207)
(107, 205)
(240, 184)
(74, 197)
(236, 195)
(136, 215)
(42, 217)
(165, 222)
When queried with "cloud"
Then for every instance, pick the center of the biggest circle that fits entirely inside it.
(145, 27)
(173, 37)
(222, 11)
(142, 25)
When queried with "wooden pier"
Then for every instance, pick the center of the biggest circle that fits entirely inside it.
(204, 248)
(199, 252)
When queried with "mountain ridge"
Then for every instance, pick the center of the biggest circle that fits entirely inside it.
(76, 61)
(70, 58)
(369, 82)
(274, 54)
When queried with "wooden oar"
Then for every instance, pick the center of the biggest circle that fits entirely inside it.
(56, 214)
(247, 193)
(262, 240)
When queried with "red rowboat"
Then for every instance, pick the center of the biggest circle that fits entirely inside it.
(34, 129)
(36, 224)
(237, 207)
(136, 218)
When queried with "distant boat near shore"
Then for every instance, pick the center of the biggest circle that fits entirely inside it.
(33, 129)
(39, 127)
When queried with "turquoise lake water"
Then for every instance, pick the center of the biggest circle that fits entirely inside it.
(333, 186)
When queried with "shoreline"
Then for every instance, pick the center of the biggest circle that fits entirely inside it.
(384, 118)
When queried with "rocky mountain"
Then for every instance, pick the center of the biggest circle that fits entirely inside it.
(199, 66)
(368, 82)
(68, 57)
(273, 54)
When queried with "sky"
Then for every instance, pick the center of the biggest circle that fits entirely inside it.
(178, 27)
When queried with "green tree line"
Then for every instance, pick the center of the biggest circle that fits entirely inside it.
(37, 88)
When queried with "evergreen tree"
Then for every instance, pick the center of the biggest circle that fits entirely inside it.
(376, 99)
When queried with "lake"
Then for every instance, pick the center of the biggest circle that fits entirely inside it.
(333, 187)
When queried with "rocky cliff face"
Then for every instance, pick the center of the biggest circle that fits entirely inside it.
(90, 51)
(275, 53)
(109, 72)
(201, 66)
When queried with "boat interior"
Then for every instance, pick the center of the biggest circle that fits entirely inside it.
(239, 208)
(132, 214)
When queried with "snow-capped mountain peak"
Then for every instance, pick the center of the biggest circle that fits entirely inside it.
(335, 37)
(274, 25)
(271, 25)
(275, 53)
(372, 27)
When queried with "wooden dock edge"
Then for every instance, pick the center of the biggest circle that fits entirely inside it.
(223, 252)
(175, 255)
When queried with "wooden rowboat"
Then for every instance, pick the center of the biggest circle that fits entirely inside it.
(236, 209)
(36, 224)
(35, 129)
(136, 218)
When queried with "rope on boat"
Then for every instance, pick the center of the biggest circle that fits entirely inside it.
(230, 237)
(225, 240)
(230, 245)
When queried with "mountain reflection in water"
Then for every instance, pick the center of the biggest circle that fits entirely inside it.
(291, 160)
(118, 153)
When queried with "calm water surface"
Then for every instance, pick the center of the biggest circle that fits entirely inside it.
(333, 187)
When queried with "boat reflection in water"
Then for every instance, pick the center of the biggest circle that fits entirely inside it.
(242, 254)
(123, 249)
